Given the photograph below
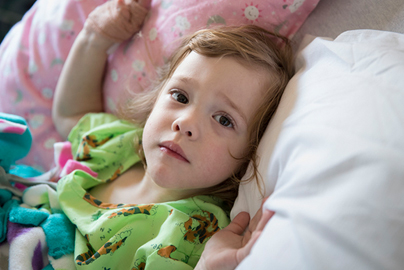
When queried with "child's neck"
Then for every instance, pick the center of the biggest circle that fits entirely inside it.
(134, 187)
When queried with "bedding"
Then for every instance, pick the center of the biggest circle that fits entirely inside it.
(31, 58)
(33, 53)
(332, 160)
(347, 248)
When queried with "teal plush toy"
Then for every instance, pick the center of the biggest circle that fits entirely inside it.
(15, 143)
(15, 139)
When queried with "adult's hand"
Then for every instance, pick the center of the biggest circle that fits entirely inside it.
(228, 247)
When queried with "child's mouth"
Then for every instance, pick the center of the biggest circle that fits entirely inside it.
(173, 150)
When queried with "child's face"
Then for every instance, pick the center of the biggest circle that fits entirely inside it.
(200, 122)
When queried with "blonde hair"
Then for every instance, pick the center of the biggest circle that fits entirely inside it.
(251, 44)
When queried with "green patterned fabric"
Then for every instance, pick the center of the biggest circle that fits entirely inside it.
(169, 235)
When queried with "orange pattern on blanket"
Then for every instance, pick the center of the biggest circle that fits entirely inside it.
(141, 266)
(97, 203)
(129, 209)
(141, 209)
(94, 142)
(108, 248)
(83, 152)
(166, 252)
(208, 226)
(117, 173)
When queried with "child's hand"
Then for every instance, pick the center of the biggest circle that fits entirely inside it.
(117, 20)
(228, 247)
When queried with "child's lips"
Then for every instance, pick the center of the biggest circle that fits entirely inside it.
(174, 150)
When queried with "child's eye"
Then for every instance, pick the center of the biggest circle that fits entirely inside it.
(180, 97)
(224, 120)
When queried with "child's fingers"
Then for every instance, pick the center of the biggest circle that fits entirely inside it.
(145, 3)
(117, 20)
(239, 223)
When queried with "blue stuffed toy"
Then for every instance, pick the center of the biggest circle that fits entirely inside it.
(15, 139)
(15, 143)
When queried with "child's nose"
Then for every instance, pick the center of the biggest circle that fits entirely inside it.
(187, 126)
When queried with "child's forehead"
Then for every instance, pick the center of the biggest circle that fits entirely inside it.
(196, 64)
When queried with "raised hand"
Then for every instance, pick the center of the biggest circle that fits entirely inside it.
(118, 20)
(82, 75)
(228, 247)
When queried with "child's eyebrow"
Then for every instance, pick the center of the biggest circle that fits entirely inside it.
(233, 105)
(187, 80)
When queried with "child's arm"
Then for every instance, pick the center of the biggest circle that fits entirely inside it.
(79, 87)
(228, 247)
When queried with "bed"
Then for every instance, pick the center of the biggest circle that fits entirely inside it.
(332, 158)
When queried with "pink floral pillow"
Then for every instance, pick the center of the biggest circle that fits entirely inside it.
(33, 53)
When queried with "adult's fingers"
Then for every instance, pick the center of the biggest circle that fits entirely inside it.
(239, 223)
(250, 239)
(257, 217)
(266, 216)
(244, 251)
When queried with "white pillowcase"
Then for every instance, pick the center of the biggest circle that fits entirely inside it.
(333, 160)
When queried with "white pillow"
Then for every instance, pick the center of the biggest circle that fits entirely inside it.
(333, 160)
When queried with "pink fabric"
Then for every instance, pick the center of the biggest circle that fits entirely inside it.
(65, 163)
(11, 127)
(63, 152)
(72, 165)
(33, 53)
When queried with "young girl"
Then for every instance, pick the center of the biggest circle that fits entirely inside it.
(196, 131)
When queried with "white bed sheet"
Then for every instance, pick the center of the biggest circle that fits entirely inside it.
(334, 160)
